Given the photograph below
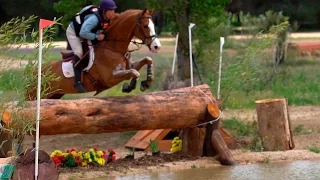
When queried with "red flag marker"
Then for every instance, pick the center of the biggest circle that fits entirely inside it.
(45, 23)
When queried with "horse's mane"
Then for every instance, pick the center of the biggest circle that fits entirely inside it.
(124, 15)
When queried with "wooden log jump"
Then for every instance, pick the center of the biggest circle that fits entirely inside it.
(174, 109)
(179, 108)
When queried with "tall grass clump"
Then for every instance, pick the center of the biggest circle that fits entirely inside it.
(15, 82)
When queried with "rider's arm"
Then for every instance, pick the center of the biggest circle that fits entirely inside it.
(90, 23)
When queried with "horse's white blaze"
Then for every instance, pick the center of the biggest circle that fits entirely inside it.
(155, 45)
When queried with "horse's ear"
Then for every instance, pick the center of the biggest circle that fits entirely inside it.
(150, 11)
(144, 11)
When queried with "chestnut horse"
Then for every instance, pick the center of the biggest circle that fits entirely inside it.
(112, 61)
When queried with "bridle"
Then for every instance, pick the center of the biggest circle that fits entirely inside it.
(147, 40)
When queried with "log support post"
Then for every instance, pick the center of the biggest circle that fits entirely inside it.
(207, 140)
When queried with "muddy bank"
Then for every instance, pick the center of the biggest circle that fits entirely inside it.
(151, 164)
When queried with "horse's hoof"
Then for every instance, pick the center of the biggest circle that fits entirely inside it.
(144, 85)
(126, 88)
(133, 84)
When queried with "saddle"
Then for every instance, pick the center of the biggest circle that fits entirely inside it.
(67, 54)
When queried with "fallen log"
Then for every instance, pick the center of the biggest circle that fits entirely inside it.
(175, 109)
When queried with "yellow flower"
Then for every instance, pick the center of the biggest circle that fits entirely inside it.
(80, 153)
(56, 153)
(91, 150)
(65, 154)
(84, 163)
(174, 149)
(176, 145)
(74, 154)
(99, 154)
(100, 161)
(87, 155)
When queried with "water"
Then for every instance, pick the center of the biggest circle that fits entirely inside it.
(298, 170)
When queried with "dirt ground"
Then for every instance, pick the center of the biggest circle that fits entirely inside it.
(145, 163)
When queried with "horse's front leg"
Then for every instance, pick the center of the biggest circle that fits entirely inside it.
(125, 74)
(145, 84)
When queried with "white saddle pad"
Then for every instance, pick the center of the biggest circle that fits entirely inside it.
(67, 67)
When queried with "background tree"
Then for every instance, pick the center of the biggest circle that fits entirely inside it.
(205, 14)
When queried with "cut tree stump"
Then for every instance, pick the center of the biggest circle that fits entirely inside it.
(274, 124)
(173, 109)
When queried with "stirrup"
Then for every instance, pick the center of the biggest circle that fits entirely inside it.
(79, 87)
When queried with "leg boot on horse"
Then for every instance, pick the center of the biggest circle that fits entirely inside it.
(77, 75)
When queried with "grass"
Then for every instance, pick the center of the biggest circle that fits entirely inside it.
(10, 79)
(239, 128)
(296, 79)
(300, 129)
(314, 149)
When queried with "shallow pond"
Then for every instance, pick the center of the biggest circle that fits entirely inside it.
(297, 170)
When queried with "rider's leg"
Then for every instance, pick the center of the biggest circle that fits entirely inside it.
(75, 44)
(77, 76)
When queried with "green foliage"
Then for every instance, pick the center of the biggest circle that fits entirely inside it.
(10, 79)
(314, 149)
(13, 33)
(300, 129)
(71, 7)
(207, 15)
(264, 22)
(153, 144)
(239, 128)
(247, 72)
(14, 36)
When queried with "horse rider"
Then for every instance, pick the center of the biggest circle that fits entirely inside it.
(87, 24)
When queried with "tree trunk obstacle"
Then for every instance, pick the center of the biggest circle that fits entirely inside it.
(274, 124)
(174, 109)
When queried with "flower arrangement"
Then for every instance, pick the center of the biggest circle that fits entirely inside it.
(73, 158)
(176, 145)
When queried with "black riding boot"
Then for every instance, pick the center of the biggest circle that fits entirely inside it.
(77, 76)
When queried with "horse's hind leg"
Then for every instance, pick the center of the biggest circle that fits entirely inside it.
(145, 84)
